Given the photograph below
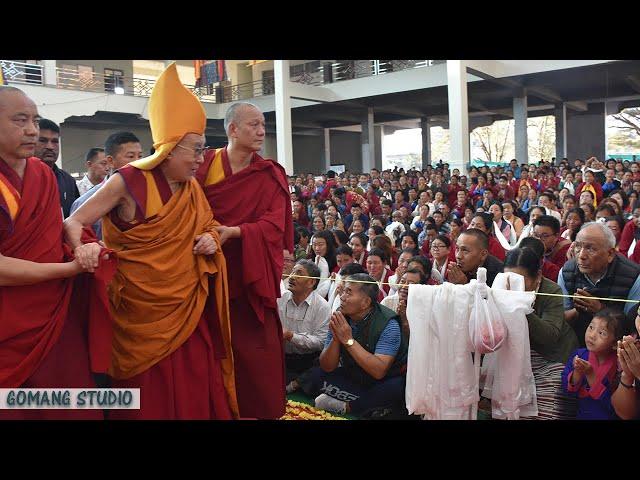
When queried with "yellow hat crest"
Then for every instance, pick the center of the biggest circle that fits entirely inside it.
(173, 112)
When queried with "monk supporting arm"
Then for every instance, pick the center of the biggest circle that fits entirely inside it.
(228, 232)
(15, 271)
(112, 194)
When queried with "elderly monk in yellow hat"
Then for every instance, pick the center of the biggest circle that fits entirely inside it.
(169, 297)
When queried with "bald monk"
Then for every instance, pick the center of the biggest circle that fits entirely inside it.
(250, 198)
(42, 341)
(168, 299)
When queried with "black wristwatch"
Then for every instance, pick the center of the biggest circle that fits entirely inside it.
(633, 384)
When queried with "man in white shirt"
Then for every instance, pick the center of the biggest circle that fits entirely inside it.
(97, 169)
(305, 321)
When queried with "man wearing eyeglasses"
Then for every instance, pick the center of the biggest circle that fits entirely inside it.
(171, 324)
(597, 271)
(305, 321)
(250, 198)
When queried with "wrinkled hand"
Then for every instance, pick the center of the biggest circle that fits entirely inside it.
(340, 327)
(456, 275)
(205, 245)
(585, 304)
(629, 357)
(88, 256)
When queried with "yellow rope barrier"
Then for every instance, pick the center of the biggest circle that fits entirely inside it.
(537, 293)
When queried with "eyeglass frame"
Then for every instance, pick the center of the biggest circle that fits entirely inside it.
(201, 151)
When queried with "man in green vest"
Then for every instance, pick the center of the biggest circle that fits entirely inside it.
(363, 363)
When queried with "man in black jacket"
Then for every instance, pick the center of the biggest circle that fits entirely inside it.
(47, 150)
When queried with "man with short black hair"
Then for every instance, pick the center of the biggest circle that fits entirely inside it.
(47, 150)
(386, 207)
(363, 364)
(121, 148)
(305, 319)
(472, 252)
(97, 169)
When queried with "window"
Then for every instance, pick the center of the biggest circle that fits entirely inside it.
(113, 78)
(268, 83)
(85, 73)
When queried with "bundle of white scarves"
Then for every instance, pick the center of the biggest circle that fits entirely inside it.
(443, 379)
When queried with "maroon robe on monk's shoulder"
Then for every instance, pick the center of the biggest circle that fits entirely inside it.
(257, 200)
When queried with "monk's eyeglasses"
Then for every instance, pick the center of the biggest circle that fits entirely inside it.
(197, 151)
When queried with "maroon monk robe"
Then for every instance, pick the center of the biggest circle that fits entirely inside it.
(257, 200)
(43, 344)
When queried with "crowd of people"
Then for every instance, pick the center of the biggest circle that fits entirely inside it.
(569, 228)
(217, 284)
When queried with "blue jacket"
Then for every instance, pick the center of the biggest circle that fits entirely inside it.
(594, 402)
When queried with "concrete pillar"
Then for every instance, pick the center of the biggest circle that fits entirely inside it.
(560, 114)
(327, 149)
(586, 133)
(283, 115)
(458, 114)
(520, 127)
(49, 73)
(426, 142)
(367, 141)
(378, 134)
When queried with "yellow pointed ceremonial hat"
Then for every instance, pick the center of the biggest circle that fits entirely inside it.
(173, 112)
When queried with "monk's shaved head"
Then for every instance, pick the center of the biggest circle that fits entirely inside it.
(234, 113)
(6, 90)
(18, 124)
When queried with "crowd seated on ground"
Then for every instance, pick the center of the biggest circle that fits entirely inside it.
(567, 227)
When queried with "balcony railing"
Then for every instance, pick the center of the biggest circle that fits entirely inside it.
(18, 72)
(352, 69)
(311, 73)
